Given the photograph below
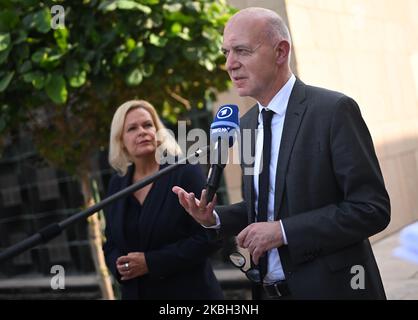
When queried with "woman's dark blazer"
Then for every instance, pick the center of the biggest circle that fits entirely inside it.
(176, 247)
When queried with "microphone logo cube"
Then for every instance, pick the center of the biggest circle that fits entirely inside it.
(226, 124)
(224, 112)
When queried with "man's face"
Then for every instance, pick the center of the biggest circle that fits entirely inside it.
(250, 58)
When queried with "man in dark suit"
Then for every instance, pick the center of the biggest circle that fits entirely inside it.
(316, 193)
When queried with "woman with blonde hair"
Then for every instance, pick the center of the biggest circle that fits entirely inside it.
(153, 248)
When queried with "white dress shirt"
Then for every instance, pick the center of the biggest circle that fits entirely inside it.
(279, 105)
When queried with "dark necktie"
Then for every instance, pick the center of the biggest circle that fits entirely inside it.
(263, 182)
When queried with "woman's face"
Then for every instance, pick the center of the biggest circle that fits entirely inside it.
(139, 133)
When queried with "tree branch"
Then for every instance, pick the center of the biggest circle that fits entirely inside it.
(178, 98)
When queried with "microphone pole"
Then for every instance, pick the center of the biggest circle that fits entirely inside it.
(54, 229)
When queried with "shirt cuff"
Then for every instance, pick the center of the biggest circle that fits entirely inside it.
(217, 225)
(283, 233)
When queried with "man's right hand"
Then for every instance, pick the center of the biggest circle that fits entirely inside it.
(198, 209)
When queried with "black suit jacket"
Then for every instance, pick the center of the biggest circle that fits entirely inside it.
(330, 196)
(176, 247)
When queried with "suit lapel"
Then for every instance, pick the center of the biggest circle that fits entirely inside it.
(293, 118)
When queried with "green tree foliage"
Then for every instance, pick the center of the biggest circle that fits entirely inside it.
(64, 84)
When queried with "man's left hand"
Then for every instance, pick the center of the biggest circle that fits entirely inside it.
(260, 237)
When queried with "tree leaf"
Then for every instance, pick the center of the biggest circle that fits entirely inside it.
(175, 7)
(22, 37)
(157, 40)
(190, 53)
(132, 5)
(40, 55)
(137, 53)
(40, 20)
(210, 66)
(194, 5)
(176, 28)
(56, 89)
(107, 5)
(147, 69)
(123, 5)
(37, 79)
(130, 44)
(185, 34)
(21, 52)
(25, 67)
(43, 20)
(134, 77)
(46, 57)
(4, 55)
(4, 41)
(78, 78)
(61, 36)
(8, 20)
(4, 83)
(172, 14)
(119, 58)
(150, 2)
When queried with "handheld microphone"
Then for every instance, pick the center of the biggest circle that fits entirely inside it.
(223, 133)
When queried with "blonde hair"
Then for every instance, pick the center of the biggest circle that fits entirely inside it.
(119, 159)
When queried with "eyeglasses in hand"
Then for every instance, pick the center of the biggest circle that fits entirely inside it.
(238, 260)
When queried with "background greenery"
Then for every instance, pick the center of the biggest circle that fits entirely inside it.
(62, 86)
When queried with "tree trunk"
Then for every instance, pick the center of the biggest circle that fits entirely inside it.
(95, 240)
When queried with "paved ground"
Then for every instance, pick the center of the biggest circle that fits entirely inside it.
(400, 277)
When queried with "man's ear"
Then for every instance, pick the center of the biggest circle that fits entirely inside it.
(282, 51)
